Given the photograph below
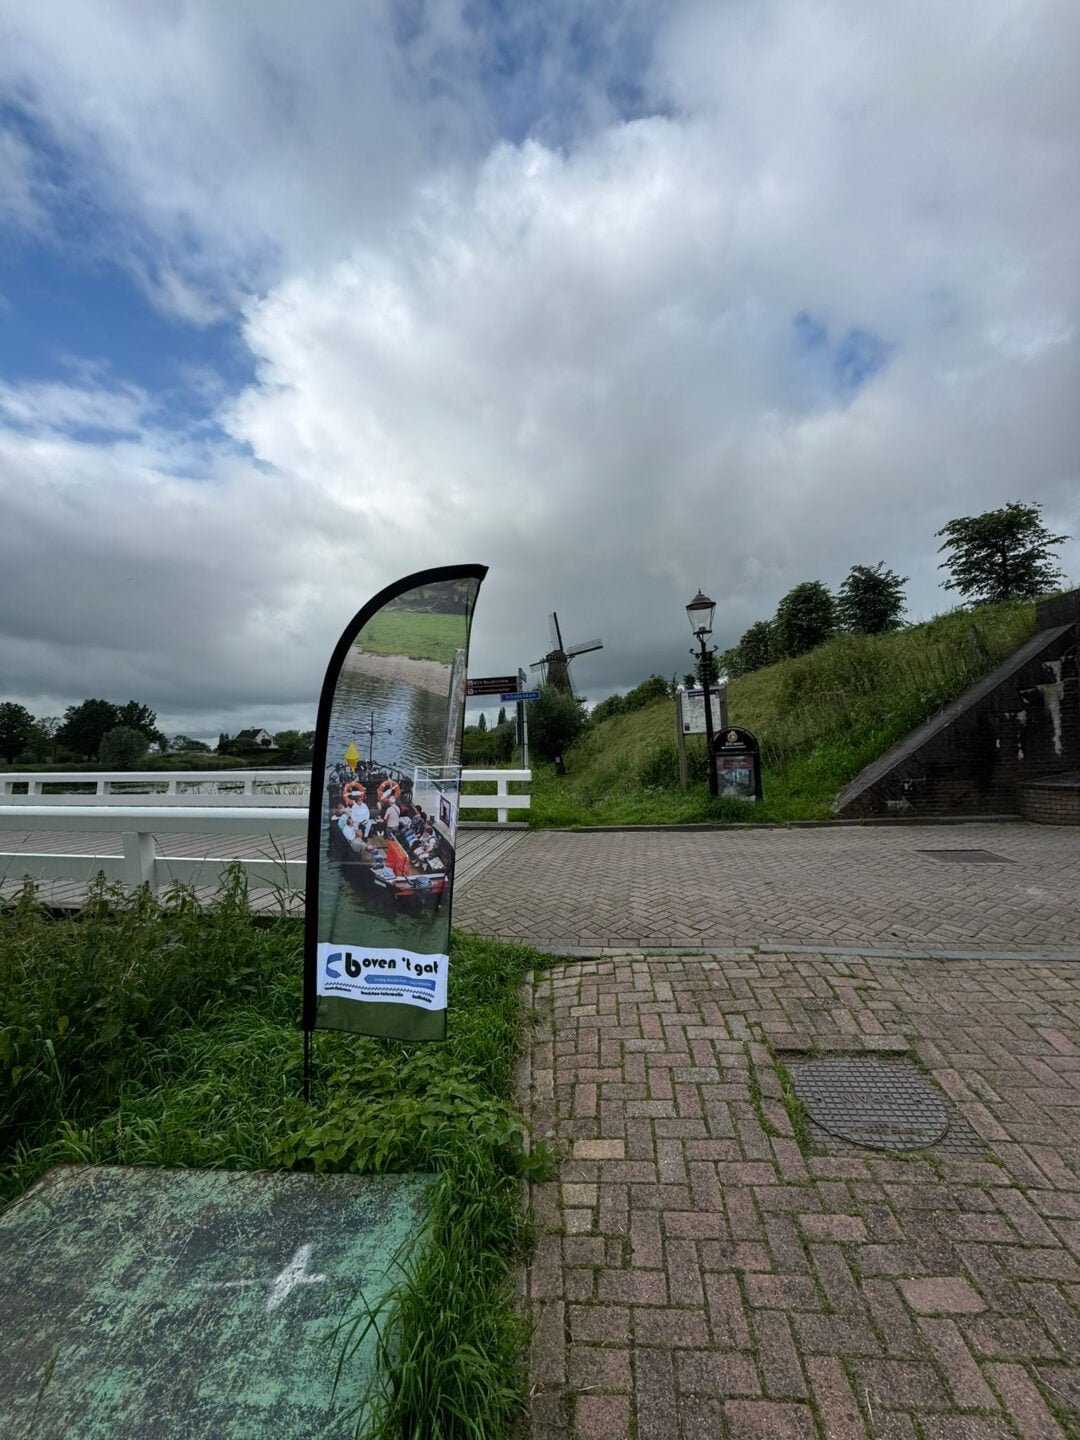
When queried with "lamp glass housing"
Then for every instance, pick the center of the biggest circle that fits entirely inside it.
(700, 612)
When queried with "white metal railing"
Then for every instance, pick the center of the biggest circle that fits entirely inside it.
(502, 801)
(155, 787)
(139, 819)
(244, 788)
(139, 862)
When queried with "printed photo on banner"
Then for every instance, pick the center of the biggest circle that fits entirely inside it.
(390, 788)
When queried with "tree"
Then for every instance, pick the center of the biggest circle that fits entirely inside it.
(224, 744)
(755, 647)
(184, 743)
(502, 715)
(42, 747)
(16, 730)
(556, 719)
(871, 601)
(122, 748)
(805, 618)
(140, 717)
(85, 725)
(1001, 554)
(503, 739)
(481, 724)
(692, 679)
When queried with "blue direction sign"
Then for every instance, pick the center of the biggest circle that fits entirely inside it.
(516, 696)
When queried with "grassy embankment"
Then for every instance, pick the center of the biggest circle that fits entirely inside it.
(820, 718)
(168, 1036)
(419, 634)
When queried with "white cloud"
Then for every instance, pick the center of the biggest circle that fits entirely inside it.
(578, 363)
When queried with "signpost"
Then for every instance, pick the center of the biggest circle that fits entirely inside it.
(523, 719)
(511, 691)
(690, 718)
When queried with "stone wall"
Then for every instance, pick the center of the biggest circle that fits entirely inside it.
(1018, 724)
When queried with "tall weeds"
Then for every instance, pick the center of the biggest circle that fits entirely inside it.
(157, 1033)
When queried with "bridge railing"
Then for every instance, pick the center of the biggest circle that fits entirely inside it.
(155, 787)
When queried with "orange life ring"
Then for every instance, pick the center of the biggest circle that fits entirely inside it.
(353, 788)
(386, 787)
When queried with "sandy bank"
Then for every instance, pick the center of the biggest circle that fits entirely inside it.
(428, 675)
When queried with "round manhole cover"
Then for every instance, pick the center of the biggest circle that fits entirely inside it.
(870, 1102)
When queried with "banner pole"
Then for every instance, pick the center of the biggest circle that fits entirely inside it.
(307, 1067)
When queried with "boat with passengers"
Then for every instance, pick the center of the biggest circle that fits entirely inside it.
(408, 866)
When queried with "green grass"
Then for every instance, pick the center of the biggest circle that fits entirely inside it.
(141, 1033)
(419, 634)
(819, 718)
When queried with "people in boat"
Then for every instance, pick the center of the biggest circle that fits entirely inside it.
(361, 816)
(392, 819)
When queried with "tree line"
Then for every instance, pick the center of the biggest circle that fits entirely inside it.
(116, 736)
(1002, 554)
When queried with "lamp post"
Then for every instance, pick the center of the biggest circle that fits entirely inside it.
(700, 612)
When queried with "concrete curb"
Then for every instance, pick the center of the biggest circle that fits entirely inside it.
(865, 952)
(882, 821)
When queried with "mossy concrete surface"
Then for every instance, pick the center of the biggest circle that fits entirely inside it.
(140, 1302)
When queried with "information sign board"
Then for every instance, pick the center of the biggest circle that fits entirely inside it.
(738, 764)
(692, 709)
(517, 696)
(491, 684)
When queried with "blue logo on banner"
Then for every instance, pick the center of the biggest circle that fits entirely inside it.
(331, 960)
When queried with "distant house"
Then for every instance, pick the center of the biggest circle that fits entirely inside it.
(253, 740)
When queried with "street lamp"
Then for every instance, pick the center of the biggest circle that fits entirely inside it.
(700, 612)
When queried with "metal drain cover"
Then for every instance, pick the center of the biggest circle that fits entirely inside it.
(883, 1105)
(968, 857)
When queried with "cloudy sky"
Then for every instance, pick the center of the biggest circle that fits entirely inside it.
(620, 297)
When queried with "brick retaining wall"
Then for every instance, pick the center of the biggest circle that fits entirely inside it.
(1054, 801)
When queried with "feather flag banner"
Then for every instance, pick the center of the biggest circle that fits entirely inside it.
(382, 829)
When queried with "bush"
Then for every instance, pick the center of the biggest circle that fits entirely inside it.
(805, 618)
(555, 722)
(660, 768)
(123, 748)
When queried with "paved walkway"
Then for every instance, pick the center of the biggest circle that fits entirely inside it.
(712, 1268)
(871, 887)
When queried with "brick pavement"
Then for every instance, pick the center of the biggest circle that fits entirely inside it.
(842, 886)
(704, 1271)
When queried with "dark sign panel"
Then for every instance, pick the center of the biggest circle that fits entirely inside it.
(384, 810)
(738, 764)
(492, 684)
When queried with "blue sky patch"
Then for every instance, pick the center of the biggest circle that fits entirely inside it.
(839, 366)
(59, 315)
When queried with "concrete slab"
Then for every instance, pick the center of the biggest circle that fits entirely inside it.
(193, 1304)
